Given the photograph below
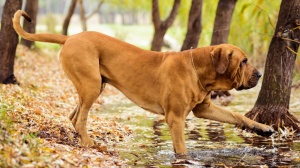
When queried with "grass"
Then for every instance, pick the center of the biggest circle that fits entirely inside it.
(5, 120)
(48, 46)
(14, 146)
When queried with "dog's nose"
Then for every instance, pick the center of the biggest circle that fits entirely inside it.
(258, 74)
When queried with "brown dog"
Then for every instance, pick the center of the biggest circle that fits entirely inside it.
(168, 83)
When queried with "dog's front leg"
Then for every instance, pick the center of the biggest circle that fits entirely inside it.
(210, 111)
(176, 124)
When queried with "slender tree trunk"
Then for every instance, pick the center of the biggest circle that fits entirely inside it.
(68, 17)
(8, 42)
(158, 40)
(31, 8)
(161, 27)
(221, 30)
(84, 18)
(96, 10)
(222, 21)
(272, 105)
(194, 26)
(82, 15)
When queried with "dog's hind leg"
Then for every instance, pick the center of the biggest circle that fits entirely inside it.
(87, 80)
(88, 93)
(74, 113)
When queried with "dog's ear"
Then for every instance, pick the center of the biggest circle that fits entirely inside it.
(220, 58)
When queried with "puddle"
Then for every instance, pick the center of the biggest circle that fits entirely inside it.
(210, 144)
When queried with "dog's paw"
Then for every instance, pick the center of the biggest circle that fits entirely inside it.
(268, 131)
(87, 142)
(184, 160)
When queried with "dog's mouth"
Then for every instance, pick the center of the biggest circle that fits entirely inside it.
(242, 87)
(252, 82)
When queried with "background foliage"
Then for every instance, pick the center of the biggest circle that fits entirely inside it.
(252, 25)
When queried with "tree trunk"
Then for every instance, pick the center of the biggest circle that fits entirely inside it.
(158, 40)
(82, 15)
(8, 42)
(68, 17)
(31, 8)
(194, 26)
(96, 10)
(161, 27)
(221, 30)
(272, 105)
(222, 21)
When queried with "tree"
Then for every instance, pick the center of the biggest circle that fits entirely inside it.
(222, 21)
(8, 42)
(194, 26)
(221, 30)
(31, 8)
(68, 17)
(83, 17)
(272, 104)
(161, 27)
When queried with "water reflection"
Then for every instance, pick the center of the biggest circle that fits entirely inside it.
(157, 124)
(210, 144)
(215, 131)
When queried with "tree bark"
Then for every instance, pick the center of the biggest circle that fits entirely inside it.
(194, 26)
(8, 42)
(161, 27)
(31, 8)
(221, 30)
(222, 21)
(272, 105)
(82, 15)
(68, 17)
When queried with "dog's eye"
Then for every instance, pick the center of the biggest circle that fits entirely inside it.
(244, 62)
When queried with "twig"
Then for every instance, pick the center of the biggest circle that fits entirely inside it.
(292, 50)
(291, 40)
(265, 12)
(298, 27)
(246, 150)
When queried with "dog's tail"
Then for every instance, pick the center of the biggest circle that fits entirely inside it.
(44, 37)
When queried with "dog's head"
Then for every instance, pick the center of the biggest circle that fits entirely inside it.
(232, 68)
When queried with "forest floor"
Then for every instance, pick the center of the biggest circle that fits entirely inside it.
(34, 127)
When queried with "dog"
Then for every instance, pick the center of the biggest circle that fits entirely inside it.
(167, 83)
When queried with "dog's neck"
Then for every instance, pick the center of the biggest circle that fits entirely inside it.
(193, 65)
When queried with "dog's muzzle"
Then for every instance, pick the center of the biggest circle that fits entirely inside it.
(251, 82)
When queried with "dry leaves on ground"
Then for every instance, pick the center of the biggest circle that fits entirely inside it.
(34, 127)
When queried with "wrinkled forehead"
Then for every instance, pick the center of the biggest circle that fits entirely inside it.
(238, 51)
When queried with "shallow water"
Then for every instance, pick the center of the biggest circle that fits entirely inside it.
(210, 143)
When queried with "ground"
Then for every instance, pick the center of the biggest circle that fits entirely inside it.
(34, 124)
